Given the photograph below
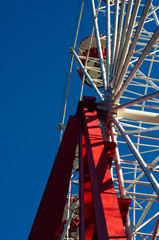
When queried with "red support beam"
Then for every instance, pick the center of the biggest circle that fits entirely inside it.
(100, 217)
(101, 227)
(88, 210)
(81, 190)
(50, 212)
(107, 214)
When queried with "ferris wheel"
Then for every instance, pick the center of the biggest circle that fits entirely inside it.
(118, 61)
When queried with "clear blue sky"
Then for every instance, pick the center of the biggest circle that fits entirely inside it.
(34, 45)
(34, 54)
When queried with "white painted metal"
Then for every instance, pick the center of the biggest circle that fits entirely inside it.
(132, 47)
(121, 182)
(83, 79)
(138, 100)
(87, 76)
(114, 37)
(138, 115)
(108, 40)
(138, 64)
(119, 35)
(127, 31)
(103, 70)
(155, 229)
(66, 228)
(69, 76)
(68, 209)
(147, 208)
(141, 195)
(138, 157)
(146, 222)
(128, 55)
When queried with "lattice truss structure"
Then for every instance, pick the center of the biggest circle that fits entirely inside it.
(126, 76)
(119, 60)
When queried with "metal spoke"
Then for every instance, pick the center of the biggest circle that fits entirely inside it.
(138, 157)
(103, 71)
(137, 65)
(120, 63)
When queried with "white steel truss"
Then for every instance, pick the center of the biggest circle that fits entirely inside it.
(126, 79)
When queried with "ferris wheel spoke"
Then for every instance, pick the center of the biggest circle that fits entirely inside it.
(138, 100)
(126, 35)
(138, 157)
(89, 47)
(114, 37)
(155, 229)
(151, 57)
(137, 65)
(87, 76)
(103, 71)
(126, 56)
(147, 79)
(124, 60)
(119, 35)
(108, 40)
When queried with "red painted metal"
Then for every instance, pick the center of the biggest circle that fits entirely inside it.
(100, 217)
(93, 50)
(81, 190)
(88, 201)
(74, 224)
(97, 202)
(110, 149)
(50, 212)
(124, 205)
(107, 214)
(93, 53)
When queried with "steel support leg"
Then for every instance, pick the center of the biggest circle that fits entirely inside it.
(50, 212)
(107, 214)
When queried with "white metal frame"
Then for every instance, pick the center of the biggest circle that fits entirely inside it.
(132, 47)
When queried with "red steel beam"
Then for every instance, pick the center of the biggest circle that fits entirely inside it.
(50, 212)
(107, 214)
(88, 210)
(100, 217)
(101, 227)
(81, 190)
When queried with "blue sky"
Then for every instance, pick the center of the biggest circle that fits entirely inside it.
(34, 46)
(34, 55)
